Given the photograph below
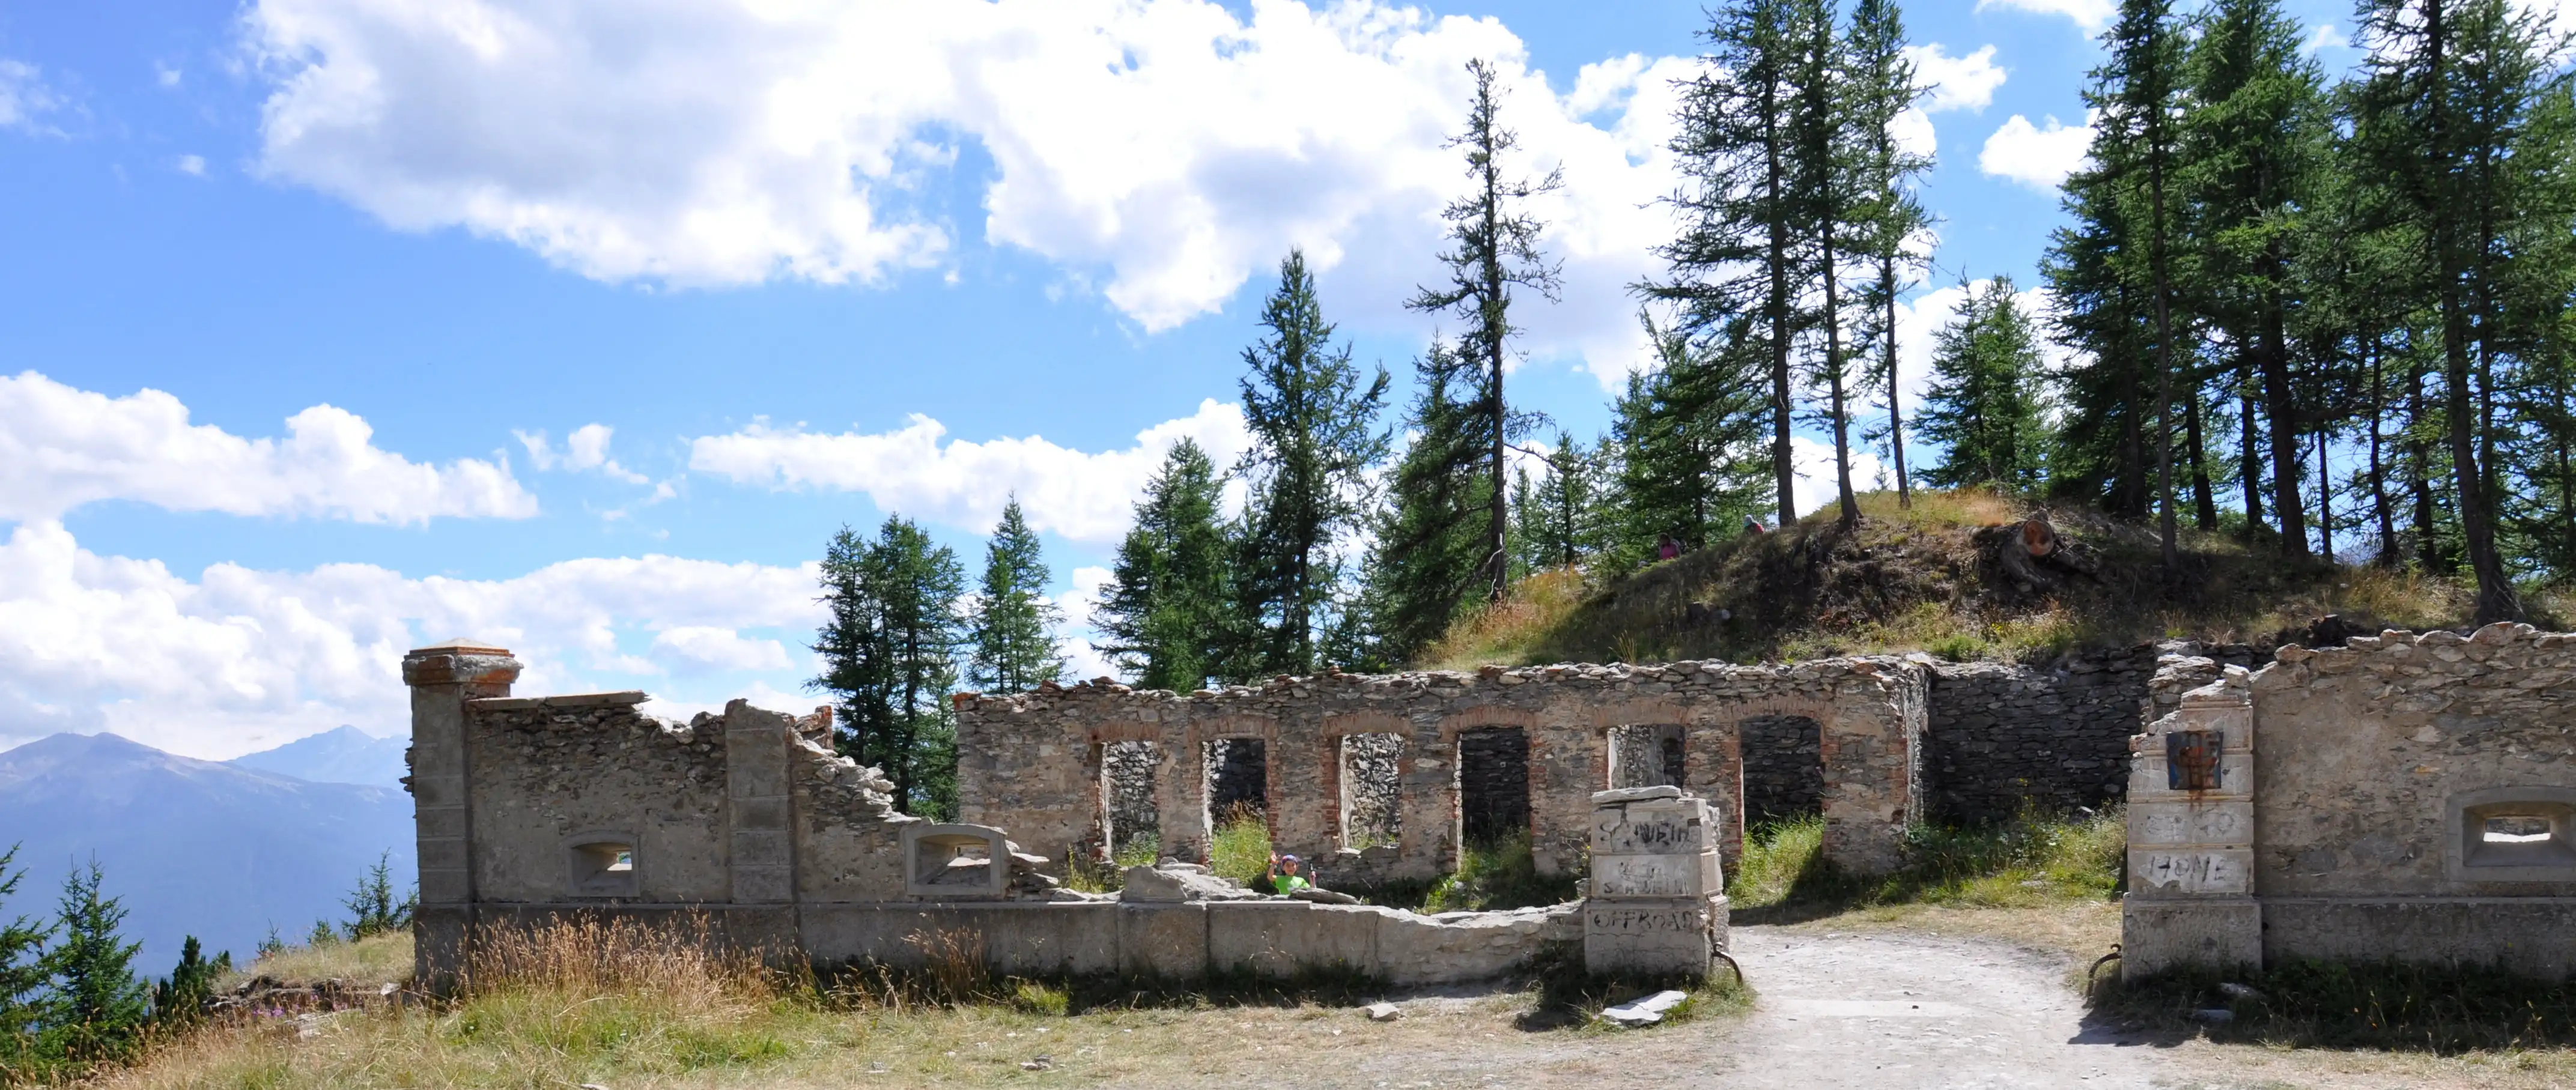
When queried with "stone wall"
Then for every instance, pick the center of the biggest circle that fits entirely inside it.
(1784, 767)
(1031, 762)
(2411, 797)
(749, 826)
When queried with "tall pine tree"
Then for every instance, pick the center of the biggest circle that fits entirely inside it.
(889, 648)
(1166, 608)
(1690, 437)
(1832, 212)
(1013, 626)
(1984, 406)
(1315, 434)
(1738, 255)
(2252, 147)
(1494, 249)
(1431, 558)
(1880, 88)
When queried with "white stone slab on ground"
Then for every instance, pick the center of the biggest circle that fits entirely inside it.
(1647, 1011)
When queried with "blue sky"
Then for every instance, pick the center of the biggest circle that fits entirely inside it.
(593, 320)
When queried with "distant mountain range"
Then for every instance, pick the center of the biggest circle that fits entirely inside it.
(222, 851)
(339, 755)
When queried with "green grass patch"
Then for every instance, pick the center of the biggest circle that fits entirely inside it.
(2444, 1010)
(1240, 850)
(1497, 875)
(2030, 861)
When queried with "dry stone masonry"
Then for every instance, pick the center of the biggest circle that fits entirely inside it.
(531, 808)
(1496, 752)
(2400, 796)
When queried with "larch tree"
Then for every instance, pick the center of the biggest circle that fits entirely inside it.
(1689, 442)
(2142, 93)
(1985, 405)
(1493, 251)
(1165, 611)
(889, 648)
(1879, 88)
(2253, 143)
(1315, 436)
(1012, 629)
(1833, 212)
(1739, 251)
(1429, 563)
(2451, 93)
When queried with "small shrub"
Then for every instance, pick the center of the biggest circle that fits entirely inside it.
(1956, 648)
(1240, 850)
(1037, 998)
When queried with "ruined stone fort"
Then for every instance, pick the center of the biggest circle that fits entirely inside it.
(2398, 796)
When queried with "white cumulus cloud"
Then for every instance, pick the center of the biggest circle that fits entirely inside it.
(586, 448)
(240, 659)
(708, 647)
(1956, 83)
(61, 447)
(2036, 156)
(2092, 15)
(1167, 151)
(918, 471)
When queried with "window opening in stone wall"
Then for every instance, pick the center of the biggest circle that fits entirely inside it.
(1646, 755)
(1371, 791)
(1493, 784)
(952, 861)
(602, 867)
(2527, 834)
(1784, 768)
(1131, 825)
(1238, 782)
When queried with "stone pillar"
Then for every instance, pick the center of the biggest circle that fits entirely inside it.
(760, 827)
(1426, 776)
(756, 805)
(1180, 793)
(1871, 743)
(1656, 904)
(442, 678)
(2191, 836)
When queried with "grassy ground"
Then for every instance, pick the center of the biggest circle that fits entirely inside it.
(626, 1006)
(381, 959)
(1910, 579)
(2042, 882)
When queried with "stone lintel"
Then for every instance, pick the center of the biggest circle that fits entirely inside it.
(624, 698)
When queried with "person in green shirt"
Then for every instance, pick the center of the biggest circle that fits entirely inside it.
(1283, 878)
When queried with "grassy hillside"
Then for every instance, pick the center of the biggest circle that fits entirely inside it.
(1920, 578)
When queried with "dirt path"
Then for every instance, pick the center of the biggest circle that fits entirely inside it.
(1893, 1010)
(1876, 1009)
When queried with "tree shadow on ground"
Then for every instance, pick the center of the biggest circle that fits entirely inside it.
(2385, 1006)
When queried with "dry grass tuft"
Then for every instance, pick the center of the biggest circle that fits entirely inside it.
(376, 959)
